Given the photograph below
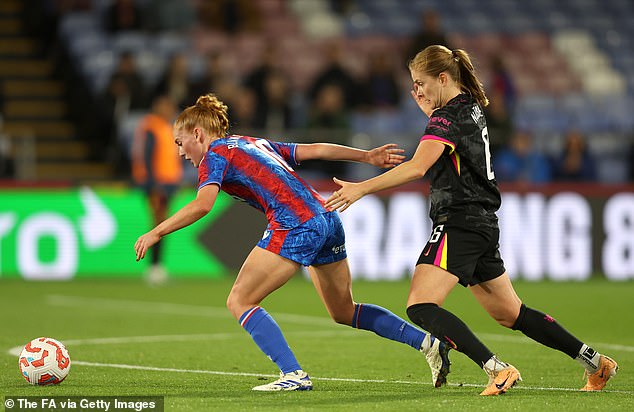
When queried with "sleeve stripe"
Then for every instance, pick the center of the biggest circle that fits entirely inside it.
(209, 182)
(440, 140)
(294, 154)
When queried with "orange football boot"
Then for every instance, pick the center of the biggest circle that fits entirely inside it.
(501, 380)
(598, 379)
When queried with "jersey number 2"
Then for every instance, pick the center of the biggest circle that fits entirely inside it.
(487, 154)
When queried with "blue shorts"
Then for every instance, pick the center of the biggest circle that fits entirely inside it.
(317, 241)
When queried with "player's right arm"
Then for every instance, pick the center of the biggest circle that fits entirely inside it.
(189, 214)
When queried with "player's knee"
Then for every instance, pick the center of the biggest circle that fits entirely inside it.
(230, 303)
(505, 318)
(238, 303)
(341, 318)
(234, 305)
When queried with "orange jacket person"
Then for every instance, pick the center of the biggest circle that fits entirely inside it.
(157, 167)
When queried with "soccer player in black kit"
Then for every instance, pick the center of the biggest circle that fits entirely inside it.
(463, 246)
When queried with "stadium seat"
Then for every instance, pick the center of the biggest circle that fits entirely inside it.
(98, 67)
(554, 48)
(88, 42)
(206, 41)
(77, 23)
(171, 43)
(130, 41)
(151, 65)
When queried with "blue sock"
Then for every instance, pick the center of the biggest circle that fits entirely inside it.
(386, 324)
(268, 336)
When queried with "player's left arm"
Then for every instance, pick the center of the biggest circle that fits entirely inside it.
(427, 153)
(388, 155)
(189, 214)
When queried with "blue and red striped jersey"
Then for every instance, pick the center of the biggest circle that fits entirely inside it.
(260, 172)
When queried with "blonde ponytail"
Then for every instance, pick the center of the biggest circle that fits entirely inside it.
(209, 113)
(436, 59)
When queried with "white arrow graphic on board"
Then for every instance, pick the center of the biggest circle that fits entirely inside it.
(7, 220)
(98, 226)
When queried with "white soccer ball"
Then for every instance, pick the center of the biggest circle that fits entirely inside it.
(44, 361)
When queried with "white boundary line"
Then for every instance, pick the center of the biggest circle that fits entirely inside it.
(354, 380)
(400, 382)
(15, 351)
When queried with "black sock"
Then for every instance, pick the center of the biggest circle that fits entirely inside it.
(446, 326)
(545, 330)
(156, 255)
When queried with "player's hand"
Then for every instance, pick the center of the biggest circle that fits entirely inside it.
(423, 103)
(144, 242)
(386, 156)
(348, 194)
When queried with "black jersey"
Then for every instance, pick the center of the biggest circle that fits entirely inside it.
(462, 181)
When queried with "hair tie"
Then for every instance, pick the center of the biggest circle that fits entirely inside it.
(455, 58)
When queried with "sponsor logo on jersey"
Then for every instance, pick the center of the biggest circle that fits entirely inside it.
(339, 249)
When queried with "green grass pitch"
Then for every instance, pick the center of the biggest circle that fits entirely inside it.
(180, 342)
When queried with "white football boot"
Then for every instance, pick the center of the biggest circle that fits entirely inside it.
(293, 381)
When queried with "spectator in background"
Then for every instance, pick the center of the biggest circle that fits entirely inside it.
(575, 163)
(175, 81)
(230, 16)
(499, 122)
(256, 79)
(7, 164)
(430, 33)
(170, 15)
(274, 113)
(157, 168)
(519, 162)
(114, 106)
(217, 79)
(41, 19)
(128, 72)
(381, 89)
(211, 79)
(244, 111)
(328, 111)
(335, 74)
(501, 83)
(122, 15)
(67, 6)
(342, 8)
(630, 162)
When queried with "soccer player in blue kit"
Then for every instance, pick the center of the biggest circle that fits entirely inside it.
(300, 232)
(463, 246)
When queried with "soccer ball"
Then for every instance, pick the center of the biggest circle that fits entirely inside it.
(44, 361)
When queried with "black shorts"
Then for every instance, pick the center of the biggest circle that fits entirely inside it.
(471, 254)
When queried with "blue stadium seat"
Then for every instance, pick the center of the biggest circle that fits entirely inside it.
(151, 65)
(539, 113)
(171, 43)
(98, 67)
(78, 23)
(130, 41)
(87, 43)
